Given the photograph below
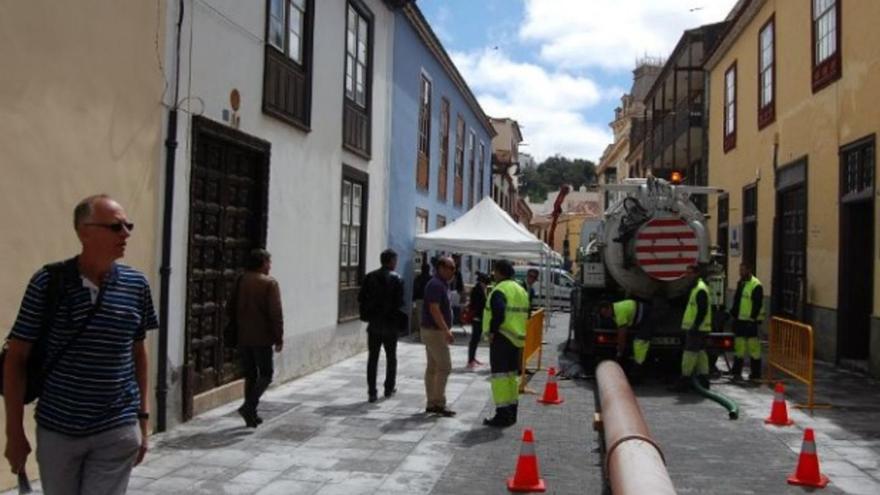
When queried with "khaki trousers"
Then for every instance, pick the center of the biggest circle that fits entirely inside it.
(439, 366)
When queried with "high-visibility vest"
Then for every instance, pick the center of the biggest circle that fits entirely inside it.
(516, 312)
(690, 313)
(625, 313)
(745, 301)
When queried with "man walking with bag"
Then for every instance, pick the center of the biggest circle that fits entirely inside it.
(93, 409)
(260, 323)
(380, 299)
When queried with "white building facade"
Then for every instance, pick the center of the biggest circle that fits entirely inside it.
(283, 136)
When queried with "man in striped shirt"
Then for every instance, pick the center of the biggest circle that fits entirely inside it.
(93, 410)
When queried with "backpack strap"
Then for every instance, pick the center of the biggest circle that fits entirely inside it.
(67, 271)
(58, 273)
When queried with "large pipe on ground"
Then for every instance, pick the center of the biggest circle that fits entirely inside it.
(634, 462)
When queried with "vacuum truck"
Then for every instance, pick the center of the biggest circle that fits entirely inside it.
(640, 250)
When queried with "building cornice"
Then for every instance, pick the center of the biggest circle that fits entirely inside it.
(742, 15)
(414, 15)
(612, 154)
(671, 64)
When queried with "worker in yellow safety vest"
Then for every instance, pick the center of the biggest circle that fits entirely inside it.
(630, 314)
(696, 324)
(504, 323)
(747, 313)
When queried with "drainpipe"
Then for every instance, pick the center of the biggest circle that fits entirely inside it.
(165, 268)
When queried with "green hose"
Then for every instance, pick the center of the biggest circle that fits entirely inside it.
(731, 406)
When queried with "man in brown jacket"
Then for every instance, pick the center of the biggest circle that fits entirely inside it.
(260, 326)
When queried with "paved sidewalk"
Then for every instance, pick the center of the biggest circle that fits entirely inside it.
(320, 436)
(847, 434)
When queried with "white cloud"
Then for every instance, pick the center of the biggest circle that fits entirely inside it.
(612, 34)
(549, 105)
(440, 25)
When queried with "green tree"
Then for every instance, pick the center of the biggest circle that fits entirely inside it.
(536, 182)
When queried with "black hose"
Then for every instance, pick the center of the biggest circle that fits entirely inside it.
(728, 403)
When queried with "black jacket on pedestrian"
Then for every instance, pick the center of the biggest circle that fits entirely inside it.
(477, 301)
(420, 282)
(381, 300)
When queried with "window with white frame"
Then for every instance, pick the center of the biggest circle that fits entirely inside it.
(356, 57)
(767, 55)
(424, 148)
(826, 42)
(287, 23)
(472, 144)
(825, 23)
(353, 227)
(287, 78)
(730, 108)
(352, 197)
(481, 191)
(767, 73)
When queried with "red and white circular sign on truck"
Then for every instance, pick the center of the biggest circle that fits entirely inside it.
(665, 247)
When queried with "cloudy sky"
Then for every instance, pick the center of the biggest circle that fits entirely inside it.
(559, 67)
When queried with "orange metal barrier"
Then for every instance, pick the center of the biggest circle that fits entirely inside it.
(791, 352)
(534, 337)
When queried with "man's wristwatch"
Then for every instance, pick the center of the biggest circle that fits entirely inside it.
(143, 415)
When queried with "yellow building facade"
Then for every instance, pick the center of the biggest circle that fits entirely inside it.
(793, 120)
(81, 98)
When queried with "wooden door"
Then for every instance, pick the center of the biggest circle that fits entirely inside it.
(227, 218)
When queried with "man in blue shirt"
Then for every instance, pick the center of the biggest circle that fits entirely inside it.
(93, 410)
(436, 334)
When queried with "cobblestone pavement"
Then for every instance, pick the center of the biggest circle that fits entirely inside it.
(707, 453)
(320, 436)
(847, 433)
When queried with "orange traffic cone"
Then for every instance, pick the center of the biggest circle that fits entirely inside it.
(526, 477)
(779, 411)
(551, 390)
(807, 473)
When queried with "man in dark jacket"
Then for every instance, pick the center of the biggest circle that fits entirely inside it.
(260, 323)
(476, 305)
(381, 297)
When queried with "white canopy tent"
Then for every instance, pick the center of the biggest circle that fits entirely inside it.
(487, 230)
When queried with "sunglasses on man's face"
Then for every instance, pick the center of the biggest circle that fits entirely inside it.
(115, 227)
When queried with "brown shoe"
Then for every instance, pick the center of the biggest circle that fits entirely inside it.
(440, 411)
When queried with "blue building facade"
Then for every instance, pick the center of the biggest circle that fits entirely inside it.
(441, 144)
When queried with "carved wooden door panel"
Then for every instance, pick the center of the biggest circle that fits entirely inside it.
(793, 253)
(228, 211)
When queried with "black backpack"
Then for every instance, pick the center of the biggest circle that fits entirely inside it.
(36, 371)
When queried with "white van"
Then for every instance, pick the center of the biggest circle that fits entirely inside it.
(560, 289)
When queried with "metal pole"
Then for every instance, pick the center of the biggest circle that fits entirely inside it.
(634, 463)
(167, 231)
